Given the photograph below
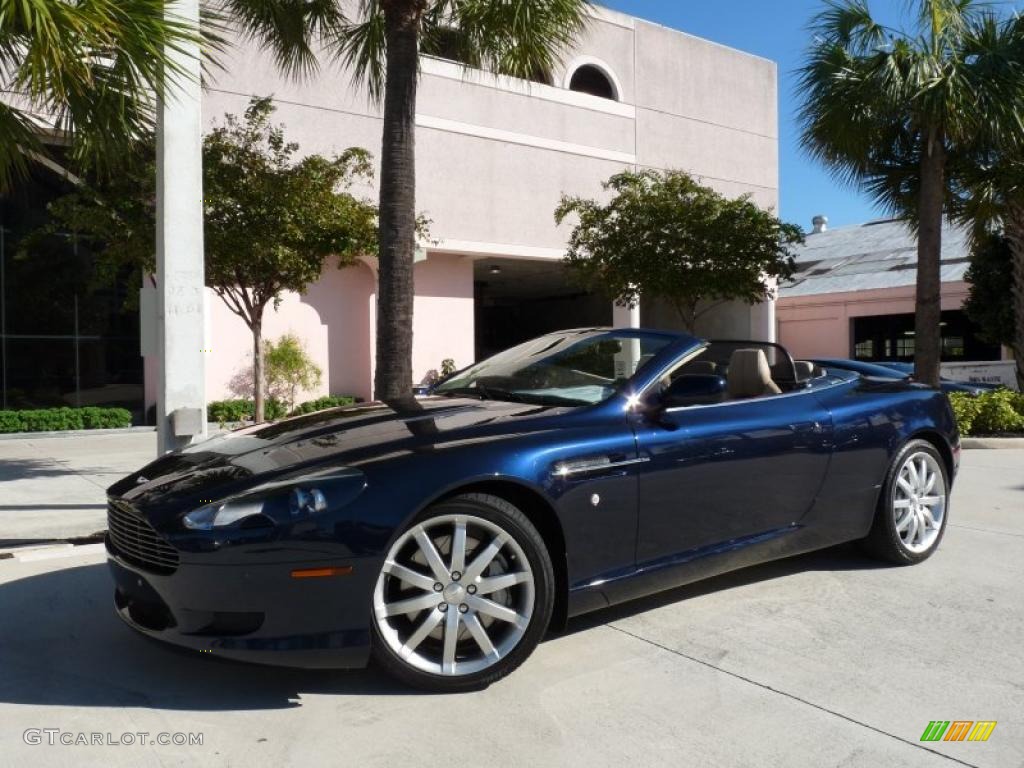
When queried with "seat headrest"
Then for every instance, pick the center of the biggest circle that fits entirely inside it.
(749, 374)
(701, 366)
(804, 369)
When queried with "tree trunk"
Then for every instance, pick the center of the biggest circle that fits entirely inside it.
(257, 368)
(397, 238)
(927, 332)
(687, 311)
(1015, 234)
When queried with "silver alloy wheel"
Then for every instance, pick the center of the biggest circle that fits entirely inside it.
(919, 502)
(455, 595)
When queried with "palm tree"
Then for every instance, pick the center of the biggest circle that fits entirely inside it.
(885, 109)
(380, 42)
(90, 69)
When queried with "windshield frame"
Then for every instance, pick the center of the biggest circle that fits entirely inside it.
(674, 344)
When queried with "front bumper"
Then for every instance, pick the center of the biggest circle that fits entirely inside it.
(256, 613)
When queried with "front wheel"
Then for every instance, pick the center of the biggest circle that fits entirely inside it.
(913, 508)
(465, 594)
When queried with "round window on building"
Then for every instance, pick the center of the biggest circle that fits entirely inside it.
(592, 80)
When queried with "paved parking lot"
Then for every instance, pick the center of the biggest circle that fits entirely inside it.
(820, 660)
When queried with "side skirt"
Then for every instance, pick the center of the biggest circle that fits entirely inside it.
(685, 568)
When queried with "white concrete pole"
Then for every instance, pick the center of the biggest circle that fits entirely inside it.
(625, 317)
(628, 359)
(762, 316)
(181, 393)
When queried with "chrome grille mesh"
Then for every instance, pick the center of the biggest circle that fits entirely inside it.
(136, 541)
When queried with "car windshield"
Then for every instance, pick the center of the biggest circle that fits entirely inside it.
(571, 368)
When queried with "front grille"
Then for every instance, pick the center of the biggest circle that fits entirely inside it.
(136, 541)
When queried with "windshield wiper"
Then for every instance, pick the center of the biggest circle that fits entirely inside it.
(484, 393)
(551, 400)
(478, 392)
(493, 393)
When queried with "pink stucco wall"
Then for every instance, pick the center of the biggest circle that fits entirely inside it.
(443, 313)
(819, 326)
(230, 358)
(335, 318)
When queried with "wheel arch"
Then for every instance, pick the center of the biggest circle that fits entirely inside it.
(939, 442)
(544, 517)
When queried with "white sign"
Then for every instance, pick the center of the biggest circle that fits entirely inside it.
(995, 372)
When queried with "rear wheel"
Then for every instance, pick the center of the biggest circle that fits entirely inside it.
(464, 596)
(913, 507)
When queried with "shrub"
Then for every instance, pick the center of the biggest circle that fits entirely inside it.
(323, 403)
(228, 411)
(1000, 411)
(10, 421)
(62, 419)
(965, 409)
(289, 369)
(225, 411)
(996, 412)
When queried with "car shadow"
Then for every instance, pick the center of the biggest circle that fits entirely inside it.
(844, 557)
(61, 644)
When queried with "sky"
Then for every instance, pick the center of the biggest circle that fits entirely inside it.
(776, 30)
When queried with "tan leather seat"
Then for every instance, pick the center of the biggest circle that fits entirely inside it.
(749, 375)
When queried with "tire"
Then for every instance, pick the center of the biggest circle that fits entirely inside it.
(911, 517)
(415, 645)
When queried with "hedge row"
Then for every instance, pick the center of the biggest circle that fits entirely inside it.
(994, 413)
(227, 411)
(323, 403)
(60, 419)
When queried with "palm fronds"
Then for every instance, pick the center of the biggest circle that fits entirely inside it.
(89, 70)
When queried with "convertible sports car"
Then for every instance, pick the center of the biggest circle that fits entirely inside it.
(446, 534)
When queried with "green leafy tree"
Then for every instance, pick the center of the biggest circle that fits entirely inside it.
(664, 236)
(271, 220)
(989, 199)
(991, 272)
(380, 41)
(289, 369)
(887, 108)
(92, 67)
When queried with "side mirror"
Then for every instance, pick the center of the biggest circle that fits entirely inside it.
(694, 389)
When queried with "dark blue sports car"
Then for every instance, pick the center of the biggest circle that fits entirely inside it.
(445, 535)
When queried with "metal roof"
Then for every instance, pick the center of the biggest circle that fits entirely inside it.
(879, 254)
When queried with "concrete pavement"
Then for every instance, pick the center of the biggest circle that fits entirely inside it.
(821, 660)
(55, 487)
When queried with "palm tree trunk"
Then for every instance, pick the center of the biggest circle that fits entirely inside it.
(1015, 234)
(397, 238)
(257, 369)
(927, 333)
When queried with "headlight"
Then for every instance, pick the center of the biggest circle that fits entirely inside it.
(219, 515)
(281, 502)
(302, 501)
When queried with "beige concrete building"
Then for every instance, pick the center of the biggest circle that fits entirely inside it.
(494, 155)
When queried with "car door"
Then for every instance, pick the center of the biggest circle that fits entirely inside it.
(718, 473)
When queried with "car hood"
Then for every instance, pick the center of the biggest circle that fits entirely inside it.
(352, 437)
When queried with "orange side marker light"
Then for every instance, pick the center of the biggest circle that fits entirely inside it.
(316, 573)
